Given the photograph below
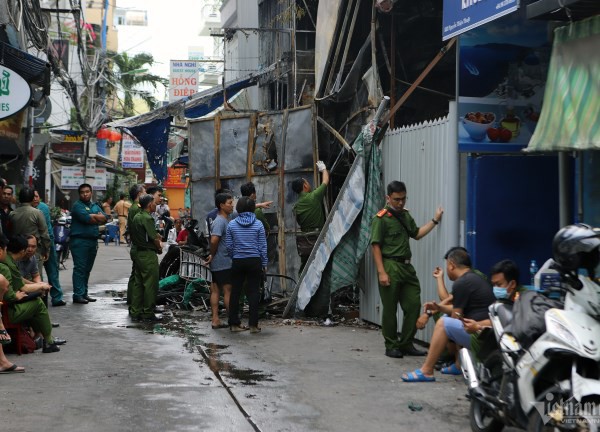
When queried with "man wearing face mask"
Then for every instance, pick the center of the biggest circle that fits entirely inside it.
(391, 230)
(505, 279)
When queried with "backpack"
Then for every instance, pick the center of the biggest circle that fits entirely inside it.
(529, 313)
(27, 342)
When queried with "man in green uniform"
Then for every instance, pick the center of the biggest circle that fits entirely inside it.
(135, 192)
(391, 229)
(33, 311)
(83, 243)
(145, 245)
(310, 213)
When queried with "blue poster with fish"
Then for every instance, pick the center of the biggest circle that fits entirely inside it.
(502, 74)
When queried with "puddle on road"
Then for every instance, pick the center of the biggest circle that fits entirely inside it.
(211, 353)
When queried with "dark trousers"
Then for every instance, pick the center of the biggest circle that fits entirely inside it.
(51, 266)
(246, 270)
(83, 251)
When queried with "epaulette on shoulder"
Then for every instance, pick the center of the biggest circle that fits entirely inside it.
(382, 212)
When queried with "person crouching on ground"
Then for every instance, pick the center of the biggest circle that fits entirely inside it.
(33, 311)
(146, 243)
(472, 295)
(247, 246)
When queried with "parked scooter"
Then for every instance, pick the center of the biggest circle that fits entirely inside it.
(545, 380)
(62, 231)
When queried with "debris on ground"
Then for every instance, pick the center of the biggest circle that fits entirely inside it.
(415, 406)
(182, 297)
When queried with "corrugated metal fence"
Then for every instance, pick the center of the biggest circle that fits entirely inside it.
(425, 158)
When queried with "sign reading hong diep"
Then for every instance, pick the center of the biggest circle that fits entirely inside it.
(15, 93)
(460, 16)
(183, 79)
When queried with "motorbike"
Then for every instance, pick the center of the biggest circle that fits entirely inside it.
(62, 232)
(544, 380)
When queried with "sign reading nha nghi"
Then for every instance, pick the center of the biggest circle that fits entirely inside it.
(183, 80)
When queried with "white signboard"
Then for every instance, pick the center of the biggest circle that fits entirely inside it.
(149, 176)
(183, 80)
(133, 154)
(73, 177)
(15, 93)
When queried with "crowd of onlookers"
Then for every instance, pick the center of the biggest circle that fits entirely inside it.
(26, 248)
(237, 256)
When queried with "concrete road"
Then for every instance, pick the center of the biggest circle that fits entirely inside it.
(114, 375)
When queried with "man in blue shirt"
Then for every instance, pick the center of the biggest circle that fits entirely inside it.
(86, 216)
(220, 262)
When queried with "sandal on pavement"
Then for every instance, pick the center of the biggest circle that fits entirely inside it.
(12, 369)
(416, 376)
(5, 340)
(237, 328)
(255, 329)
(219, 326)
(451, 370)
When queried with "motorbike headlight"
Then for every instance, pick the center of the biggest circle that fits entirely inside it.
(555, 327)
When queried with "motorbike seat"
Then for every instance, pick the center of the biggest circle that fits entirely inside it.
(504, 312)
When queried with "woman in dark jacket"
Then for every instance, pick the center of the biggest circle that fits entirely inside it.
(247, 246)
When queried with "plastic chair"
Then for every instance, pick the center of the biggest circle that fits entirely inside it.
(112, 233)
(16, 334)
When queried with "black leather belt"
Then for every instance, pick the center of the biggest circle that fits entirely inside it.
(401, 260)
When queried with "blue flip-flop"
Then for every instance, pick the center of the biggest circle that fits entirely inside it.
(416, 376)
(451, 370)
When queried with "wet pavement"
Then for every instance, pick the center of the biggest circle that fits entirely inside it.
(180, 375)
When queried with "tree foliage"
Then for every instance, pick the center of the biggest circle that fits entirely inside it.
(127, 85)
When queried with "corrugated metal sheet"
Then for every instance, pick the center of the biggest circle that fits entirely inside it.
(231, 149)
(425, 158)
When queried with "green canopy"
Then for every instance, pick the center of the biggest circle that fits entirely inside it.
(570, 116)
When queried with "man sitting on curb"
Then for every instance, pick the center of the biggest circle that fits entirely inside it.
(471, 298)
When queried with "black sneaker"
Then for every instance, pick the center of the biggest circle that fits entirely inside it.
(59, 341)
(394, 353)
(50, 348)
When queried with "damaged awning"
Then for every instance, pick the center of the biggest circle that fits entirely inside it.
(197, 105)
(151, 130)
(569, 117)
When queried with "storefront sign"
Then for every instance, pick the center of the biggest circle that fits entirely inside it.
(73, 177)
(10, 128)
(502, 76)
(72, 142)
(133, 154)
(183, 79)
(460, 16)
(175, 178)
(15, 93)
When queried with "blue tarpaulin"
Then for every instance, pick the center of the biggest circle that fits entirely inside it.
(154, 137)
